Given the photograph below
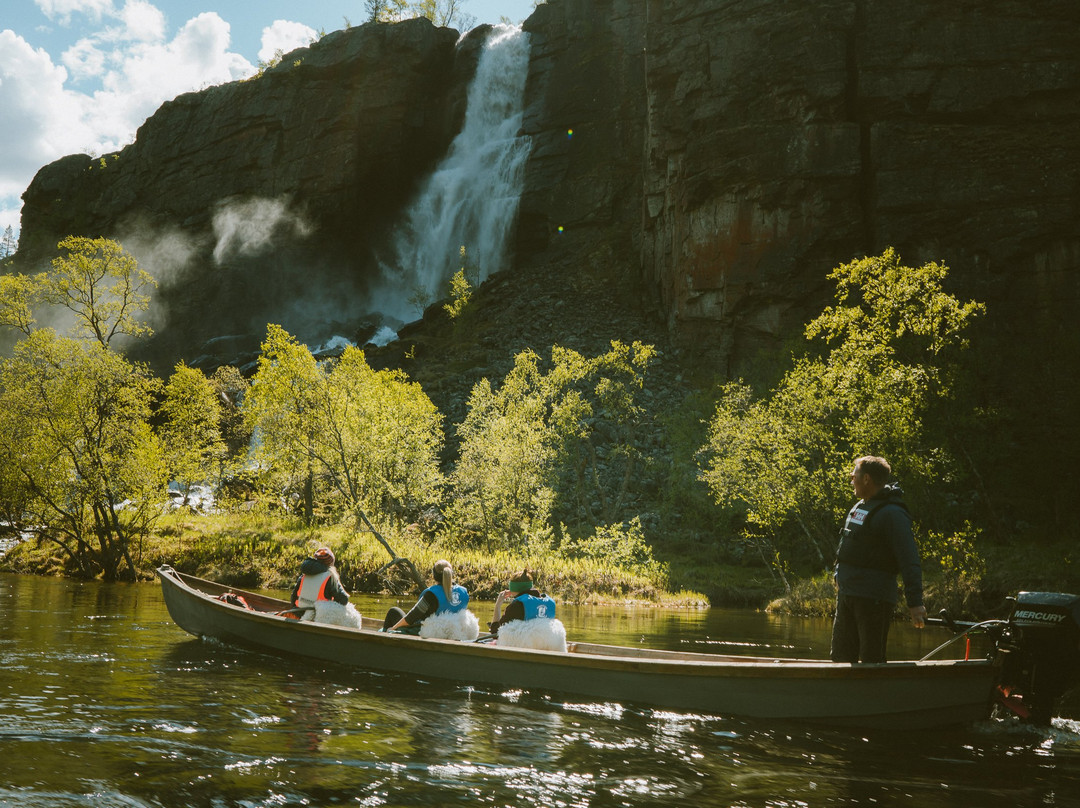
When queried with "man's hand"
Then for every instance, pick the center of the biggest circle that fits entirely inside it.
(918, 616)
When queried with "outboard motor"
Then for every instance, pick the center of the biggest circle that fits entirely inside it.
(1041, 653)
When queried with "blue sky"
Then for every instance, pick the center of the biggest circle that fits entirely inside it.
(80, 76)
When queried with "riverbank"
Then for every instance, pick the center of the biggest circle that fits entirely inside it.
(260, 551)
(256, 550)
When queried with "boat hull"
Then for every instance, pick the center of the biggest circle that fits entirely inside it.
(909, 695)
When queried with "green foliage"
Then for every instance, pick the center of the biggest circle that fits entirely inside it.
(269, 64)
(81, 462)
(461, 288)
(460, 294)
(440, 12)
(503, 479)
(18, 297)
(887, 347)
(370, 437)
(956, 555)
(622, 545)
(75, 436)
(194, 449)
(685, 498)
(564, 439)
(229, 387)
(101, 284)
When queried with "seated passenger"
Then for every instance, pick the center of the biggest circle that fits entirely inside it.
(529, 620)
(318, 590)
(442, 611)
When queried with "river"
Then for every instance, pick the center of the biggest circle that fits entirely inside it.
(105, 702)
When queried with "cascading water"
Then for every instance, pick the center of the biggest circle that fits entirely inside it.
(472, 197)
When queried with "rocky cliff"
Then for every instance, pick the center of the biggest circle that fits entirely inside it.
(265, 199)
(709, 161)
(741, 150)
(725, 156)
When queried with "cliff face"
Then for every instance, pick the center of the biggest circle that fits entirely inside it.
(271, 190)
(710, 160)
(743, 150)
(716, 159)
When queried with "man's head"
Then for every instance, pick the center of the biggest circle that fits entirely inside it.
(870, 475)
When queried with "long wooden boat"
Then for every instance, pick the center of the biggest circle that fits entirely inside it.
(911, 695)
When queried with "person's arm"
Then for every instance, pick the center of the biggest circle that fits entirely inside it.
(425, 606)
(897, 524)
(515, 610)
(506, 593)
(337, 592)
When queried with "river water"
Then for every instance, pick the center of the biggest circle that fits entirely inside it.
(105, 702)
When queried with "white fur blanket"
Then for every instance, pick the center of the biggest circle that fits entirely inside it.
(332, 612)
(461, 625)
(541, 634)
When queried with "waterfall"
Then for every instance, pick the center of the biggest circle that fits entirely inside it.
(471, 199)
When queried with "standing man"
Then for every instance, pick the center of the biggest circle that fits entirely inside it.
(876, 543)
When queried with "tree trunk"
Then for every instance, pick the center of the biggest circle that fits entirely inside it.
(395, 559)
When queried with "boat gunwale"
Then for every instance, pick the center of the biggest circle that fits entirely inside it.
(580, 654)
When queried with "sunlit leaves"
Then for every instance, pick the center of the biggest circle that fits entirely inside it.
(371, 436)
(102, 285)
(884, 359)
(554, 440)
(191, 434)
(18, 297)
(74, 429)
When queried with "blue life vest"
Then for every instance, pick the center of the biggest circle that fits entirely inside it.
(458, 600)
(537, 607)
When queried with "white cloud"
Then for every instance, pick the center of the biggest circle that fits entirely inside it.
(62, 10)
(42, 120)
(84, 59)
(142, 21)
(284, 36)
(138, 69)
(150, 73)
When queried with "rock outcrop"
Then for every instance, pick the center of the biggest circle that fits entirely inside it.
(726, 156)
(743, 150)
(313, 159)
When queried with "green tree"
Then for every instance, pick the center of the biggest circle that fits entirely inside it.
(601, 418)
(461, 287)
(82, 463)
(887, 352)
(19, 296)
(230, 386)
(191, 434)
(504, 479)
(102, 285)
(75, 433)
(440, 12)
(372, 437)
(550, 446)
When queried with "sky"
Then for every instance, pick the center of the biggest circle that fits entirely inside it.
(81, 76)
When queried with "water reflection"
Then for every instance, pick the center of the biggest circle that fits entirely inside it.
(107, 703)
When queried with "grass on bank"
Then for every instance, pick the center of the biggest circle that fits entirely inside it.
(257, 550)
(263, 550)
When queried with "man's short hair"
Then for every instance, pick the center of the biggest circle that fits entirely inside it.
(877, 467)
